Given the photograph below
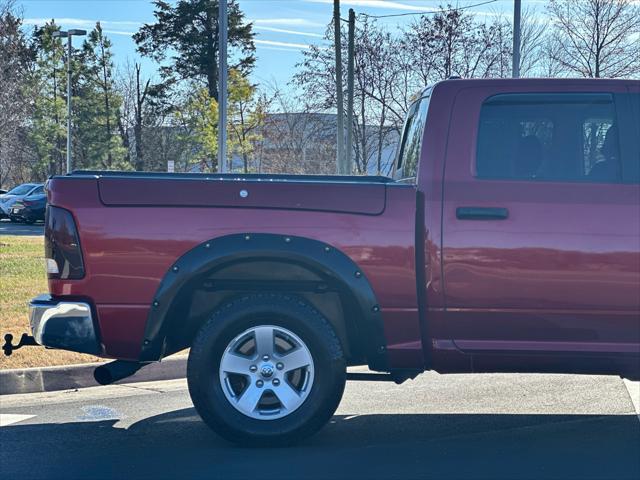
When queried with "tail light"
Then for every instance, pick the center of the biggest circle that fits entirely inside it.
(62, 245)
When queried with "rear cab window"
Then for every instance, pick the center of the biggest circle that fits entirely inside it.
(411, 143)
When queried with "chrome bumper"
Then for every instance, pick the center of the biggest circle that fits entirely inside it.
(63, 325)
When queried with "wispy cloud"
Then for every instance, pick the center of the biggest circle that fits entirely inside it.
(287, 22)
(290, 32)
(84, 22)
(289, 45)
(376, 4)
(119, 32)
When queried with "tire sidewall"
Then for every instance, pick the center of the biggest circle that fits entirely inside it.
(289, 312)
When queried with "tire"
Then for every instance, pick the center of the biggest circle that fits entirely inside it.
(218, 395)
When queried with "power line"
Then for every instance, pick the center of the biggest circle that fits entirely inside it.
(430, 11)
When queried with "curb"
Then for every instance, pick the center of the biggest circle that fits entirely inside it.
(68, 377)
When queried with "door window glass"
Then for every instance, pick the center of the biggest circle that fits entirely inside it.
(549, 137)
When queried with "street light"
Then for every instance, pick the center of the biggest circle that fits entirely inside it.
(222, 86)
(69, 34)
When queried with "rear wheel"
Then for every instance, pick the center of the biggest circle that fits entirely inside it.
(266, 369)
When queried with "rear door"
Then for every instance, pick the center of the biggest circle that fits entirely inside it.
(541, 220)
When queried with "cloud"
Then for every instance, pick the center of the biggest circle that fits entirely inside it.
(85, 23)
(119, 32)
(291, 32)
(376, 4)
(287, 22)
(289, 45)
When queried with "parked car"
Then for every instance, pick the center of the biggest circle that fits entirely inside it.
(502, 244)
(18, 193)
(30, 209)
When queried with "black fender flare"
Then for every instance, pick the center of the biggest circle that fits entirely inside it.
(319, 257)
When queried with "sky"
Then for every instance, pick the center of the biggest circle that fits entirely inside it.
(284, 28)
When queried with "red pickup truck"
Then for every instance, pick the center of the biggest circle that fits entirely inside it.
(507, 241)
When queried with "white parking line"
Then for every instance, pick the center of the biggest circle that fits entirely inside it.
(634, 392)
(9, 418)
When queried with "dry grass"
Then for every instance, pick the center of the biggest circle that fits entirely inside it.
(22, 277)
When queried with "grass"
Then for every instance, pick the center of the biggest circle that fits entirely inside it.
(22, 277)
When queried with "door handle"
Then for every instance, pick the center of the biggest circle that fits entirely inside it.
(482, 213)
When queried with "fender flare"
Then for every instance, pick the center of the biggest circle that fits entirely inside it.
(319, 257)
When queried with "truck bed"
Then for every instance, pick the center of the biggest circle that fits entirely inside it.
(296, 192)
(280, 177)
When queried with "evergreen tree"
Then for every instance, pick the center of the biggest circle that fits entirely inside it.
(186, 34)
(48, 87)
(198, 118)
(247, 112)
(97, 106)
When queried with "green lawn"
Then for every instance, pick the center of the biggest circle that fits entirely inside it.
(22, 277)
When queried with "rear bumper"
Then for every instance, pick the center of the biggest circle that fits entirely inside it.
(64, 325)
(26, 214)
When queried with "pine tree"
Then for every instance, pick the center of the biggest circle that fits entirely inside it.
(97, 107)
(48, 87)
(186, 34)
(198, 117)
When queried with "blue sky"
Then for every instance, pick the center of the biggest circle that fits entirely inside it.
(284, 28)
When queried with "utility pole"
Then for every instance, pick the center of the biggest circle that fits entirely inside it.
(350, 69)
(222, 86)
(517, 6)
(340, 163)
(69, 36)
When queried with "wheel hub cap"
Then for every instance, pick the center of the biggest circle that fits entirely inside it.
(266, 372)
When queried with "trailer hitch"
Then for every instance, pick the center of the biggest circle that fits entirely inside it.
(25, 341)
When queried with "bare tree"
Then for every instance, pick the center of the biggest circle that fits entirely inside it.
(135, 92)
(294, 138)
(451, 43)
(596, 38)
(376, 110)
(532, 42)
(16, 60)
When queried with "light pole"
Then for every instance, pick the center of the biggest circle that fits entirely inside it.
(222, 86)
(350, 66)
(340, 160)
(69, 34)
(517, 7)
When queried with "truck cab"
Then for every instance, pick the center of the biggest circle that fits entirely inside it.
(532, 218)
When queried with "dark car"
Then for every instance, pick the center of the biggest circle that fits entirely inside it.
(30, 209)
(18, 193)
(2, 191)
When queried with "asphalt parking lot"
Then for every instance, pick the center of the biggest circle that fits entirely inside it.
(22, 229)
(457, 426)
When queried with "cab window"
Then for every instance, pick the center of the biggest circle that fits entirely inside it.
(570, 137)
(410, 148)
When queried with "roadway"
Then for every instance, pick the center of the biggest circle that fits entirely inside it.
(457, 426)
(20, 229)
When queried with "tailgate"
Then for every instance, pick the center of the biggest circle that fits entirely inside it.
(347, 197)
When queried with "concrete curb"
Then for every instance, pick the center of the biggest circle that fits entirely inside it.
(67, 377)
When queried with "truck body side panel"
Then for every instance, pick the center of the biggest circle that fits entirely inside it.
(129, 249)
